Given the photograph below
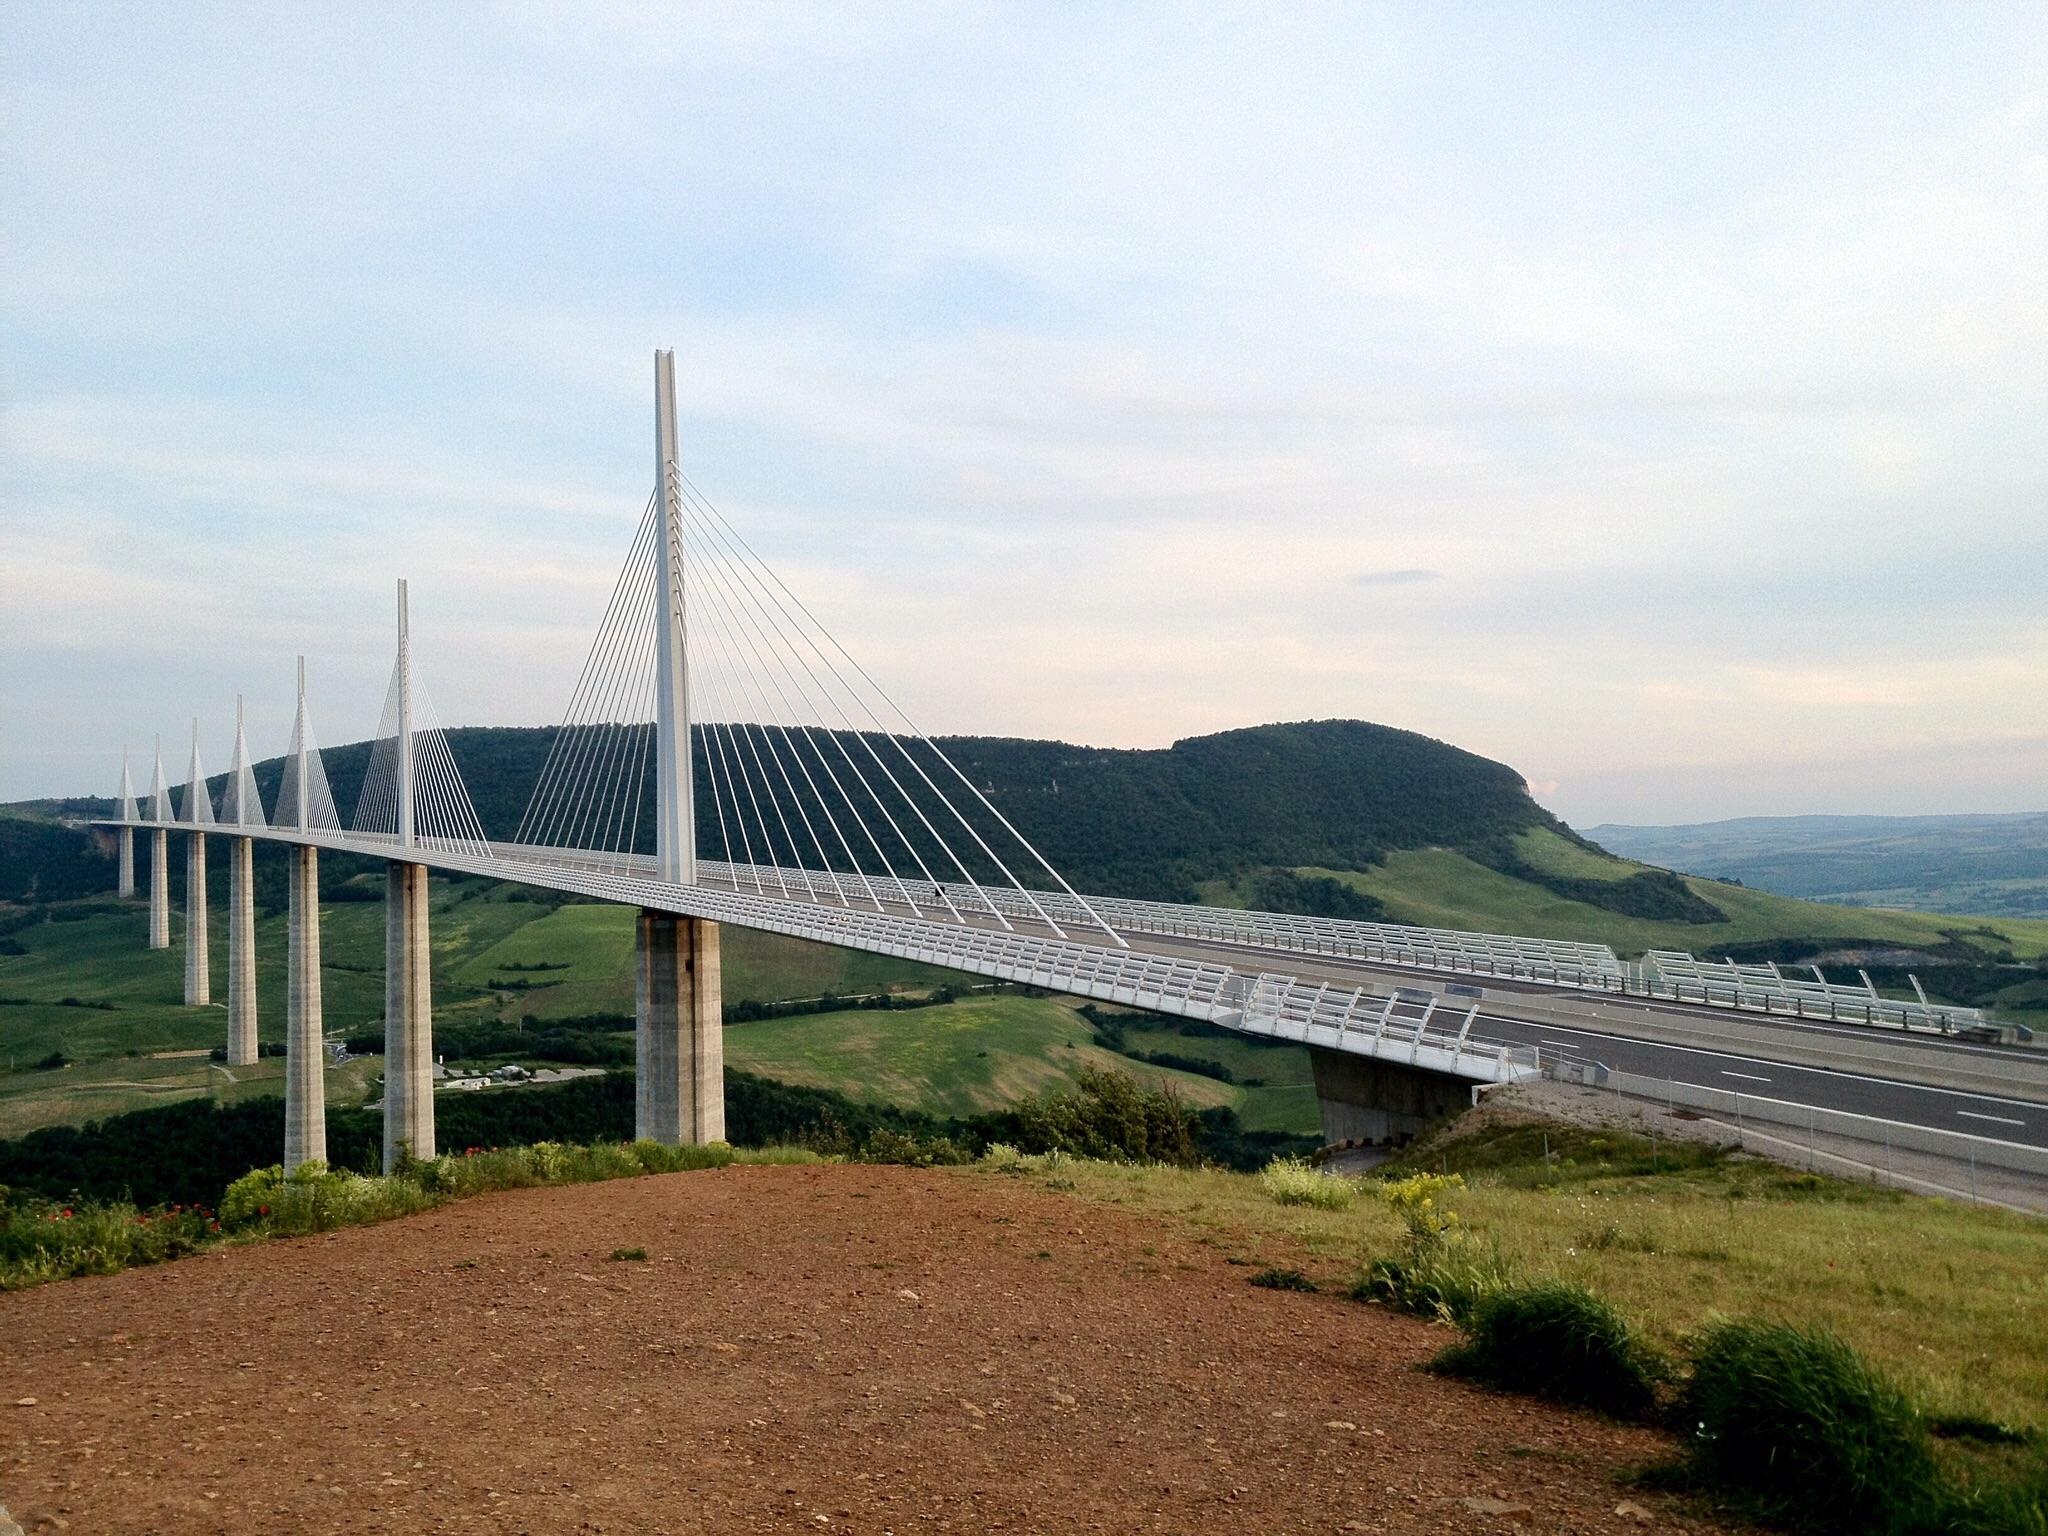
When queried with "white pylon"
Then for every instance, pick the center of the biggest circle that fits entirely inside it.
(675, 836)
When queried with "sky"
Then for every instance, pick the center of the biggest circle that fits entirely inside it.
(1653, 398)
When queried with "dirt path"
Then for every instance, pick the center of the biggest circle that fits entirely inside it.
(834, 1348)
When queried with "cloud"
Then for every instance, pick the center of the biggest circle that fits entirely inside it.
(1613, 402)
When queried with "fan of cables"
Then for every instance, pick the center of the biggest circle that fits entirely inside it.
(810, 781)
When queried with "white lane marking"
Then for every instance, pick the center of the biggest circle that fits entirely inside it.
(1747, 1077)
(1994, 1119)
(1797, 1071)
(1562, 1045)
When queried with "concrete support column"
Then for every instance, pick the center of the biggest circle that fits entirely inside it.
(125, 842)
(305, 1047)
(408, 1016)
(198, 963)
(241, 951)
(160, 890)
(679, 1035)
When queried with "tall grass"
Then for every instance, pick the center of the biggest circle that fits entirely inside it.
(1561, 1342)
(1804, 1430)
(40, 1242)
(1292, 1181)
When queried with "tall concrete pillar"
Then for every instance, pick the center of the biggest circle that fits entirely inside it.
(408, 1016)
(160, 890)
(679, 1034)
(241, 951)
(126, 842)
(198, 963)
(305, 1047)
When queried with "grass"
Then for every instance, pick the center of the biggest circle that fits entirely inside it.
(128, 1004)
(1436, 887)
(43, 1241)
(960, 1058)
(1558, 1341)
(1949, 1299)
(1291, 1181)
(1804, 1430)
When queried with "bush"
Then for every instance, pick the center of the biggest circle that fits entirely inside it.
(887, 1146)
(1291, 1181)
(1557, 1341)
(1107, 1116)
(1800, 1427)
(1283, 1280)
(47, 1241)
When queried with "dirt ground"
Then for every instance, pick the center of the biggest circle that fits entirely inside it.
(830, 1348)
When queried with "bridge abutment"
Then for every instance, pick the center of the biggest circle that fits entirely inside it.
(408, 1016)
(241, 951)
(160, 890)
(1365, 1099)
(305, 1085)
(125, 849)
(679, 1031)
(198, 962)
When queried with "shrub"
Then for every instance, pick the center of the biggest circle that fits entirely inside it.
(46, 1241)
(629, 1256)
(1001, 1157)
(887, 1146)
(1291, 1181)
(1798, 1425)
(1557, 1341)
(1283, 1280)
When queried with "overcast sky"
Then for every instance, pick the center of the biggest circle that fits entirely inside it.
(1653, 398)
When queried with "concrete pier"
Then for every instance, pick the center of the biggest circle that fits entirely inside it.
(1381, 1103)
(241, 951)
(305, 1049)
(160, 890)
(124, 841)
(408, 1016)
(198, 963)
(679, 1031)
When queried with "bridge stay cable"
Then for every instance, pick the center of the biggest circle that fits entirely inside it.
(749, 557)
(824, 762)
(838, 738)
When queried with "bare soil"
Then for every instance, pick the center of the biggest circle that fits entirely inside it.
(831, 1348)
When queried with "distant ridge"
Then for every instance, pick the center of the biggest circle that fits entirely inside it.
(1157, 823)
(1992, 864)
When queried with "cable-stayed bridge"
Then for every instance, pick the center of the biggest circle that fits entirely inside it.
(723, 759)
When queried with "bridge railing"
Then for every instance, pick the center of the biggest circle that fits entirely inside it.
(1355, 1020)
(1501, 955)
(1679, 976)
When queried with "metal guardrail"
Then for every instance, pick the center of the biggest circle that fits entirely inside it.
(1741, 1108)
(1677, 975)
(1445, 949)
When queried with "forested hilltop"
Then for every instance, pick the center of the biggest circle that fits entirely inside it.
(1328, 794)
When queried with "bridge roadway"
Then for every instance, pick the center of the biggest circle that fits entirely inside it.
(1508, 1026)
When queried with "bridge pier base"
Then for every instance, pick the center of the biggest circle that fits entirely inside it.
(198, 962)
(124, 842)
(408, 1016)
(1378, 1103)
(160, 891)
(679, 1030)
(241, 951)
(305, 1049)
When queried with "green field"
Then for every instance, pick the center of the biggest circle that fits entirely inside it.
(125, 1003)
(954, 1059)
(1438, 888)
